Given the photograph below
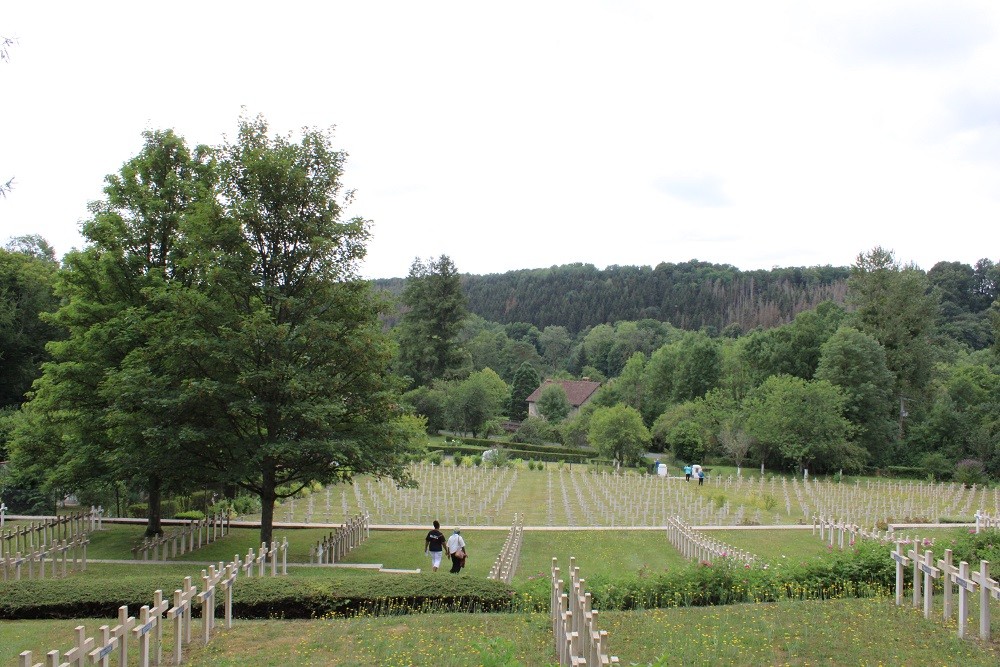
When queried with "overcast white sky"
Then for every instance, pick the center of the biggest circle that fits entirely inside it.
(529, 134)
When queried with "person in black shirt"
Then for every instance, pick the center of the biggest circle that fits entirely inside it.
(434, 545)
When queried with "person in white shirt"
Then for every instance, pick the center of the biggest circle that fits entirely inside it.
(457, 551)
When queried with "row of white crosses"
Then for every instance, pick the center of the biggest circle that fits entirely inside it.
(925, 569)
(614, 499)
(506, 562)
(985, 521)
(581, 496)
(695, 545)
(339, 543)
(876, 500)
(13, 567)
(39, 534)
(266, 554)
(836, 533)
(147, 630)
(465, 496)
(574, 622)
(188, 538)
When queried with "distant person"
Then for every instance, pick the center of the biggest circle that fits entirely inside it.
(434, 545)
(687, 473)
(701, 477)
(457, 552)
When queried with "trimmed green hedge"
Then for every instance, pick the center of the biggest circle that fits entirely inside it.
(259, 597)
(864, 570)
(520, 451)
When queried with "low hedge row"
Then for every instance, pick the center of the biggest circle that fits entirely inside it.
(265, 597)
(486, 443)
(515, 451)
(862, 571)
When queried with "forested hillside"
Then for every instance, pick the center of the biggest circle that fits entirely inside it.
(690, 295)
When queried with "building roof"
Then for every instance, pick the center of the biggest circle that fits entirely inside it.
(577, 391)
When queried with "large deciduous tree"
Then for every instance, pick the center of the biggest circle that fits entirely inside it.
(84, 425)
(428, 331)
(27, 274)
(476, 404)
(553, 403)
(277, 361)
(803, 420)
(619, 434)
(892, 304)
(855, 362)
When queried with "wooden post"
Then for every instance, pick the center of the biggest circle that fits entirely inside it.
(901, 562)
(147, 622)
(916, 559)
(159, 608)
(121, 633)
(987, 588)
(77, 655)
(207, 599)
(965, 586)
(227, 586)
(930, 573)
(948, 572)
(108, 643)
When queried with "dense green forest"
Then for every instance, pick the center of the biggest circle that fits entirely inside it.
(897, 371)
(689, 295)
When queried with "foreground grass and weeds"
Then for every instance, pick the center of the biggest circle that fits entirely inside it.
(871, 631)
(635, 574)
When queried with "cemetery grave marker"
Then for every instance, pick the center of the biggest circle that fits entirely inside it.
(574, 622)
(510, 553)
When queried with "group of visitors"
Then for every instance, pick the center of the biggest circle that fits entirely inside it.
(436, 546)
(696, 472)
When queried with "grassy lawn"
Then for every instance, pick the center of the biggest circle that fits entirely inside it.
(773, 545)
(794, 633)
(797, 633)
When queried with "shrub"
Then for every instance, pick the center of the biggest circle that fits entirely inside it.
(458, 459)
(969, 472)
(199, 500)
(137, 510)
(264, 597)
(245, 504)
(168, 508)
(863, 570)
(435, 458)
(535, 431)
(972, 547)
(190, 515)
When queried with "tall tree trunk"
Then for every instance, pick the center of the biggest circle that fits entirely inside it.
(154, 512)
(267, 498)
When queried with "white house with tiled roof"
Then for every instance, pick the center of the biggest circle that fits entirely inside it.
(578, 392)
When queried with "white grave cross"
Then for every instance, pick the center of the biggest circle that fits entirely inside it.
(108, 643)
(966, 585)
(930, 573)
(901, 562)
(987, 588)
(948, 573)
(916, 559)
